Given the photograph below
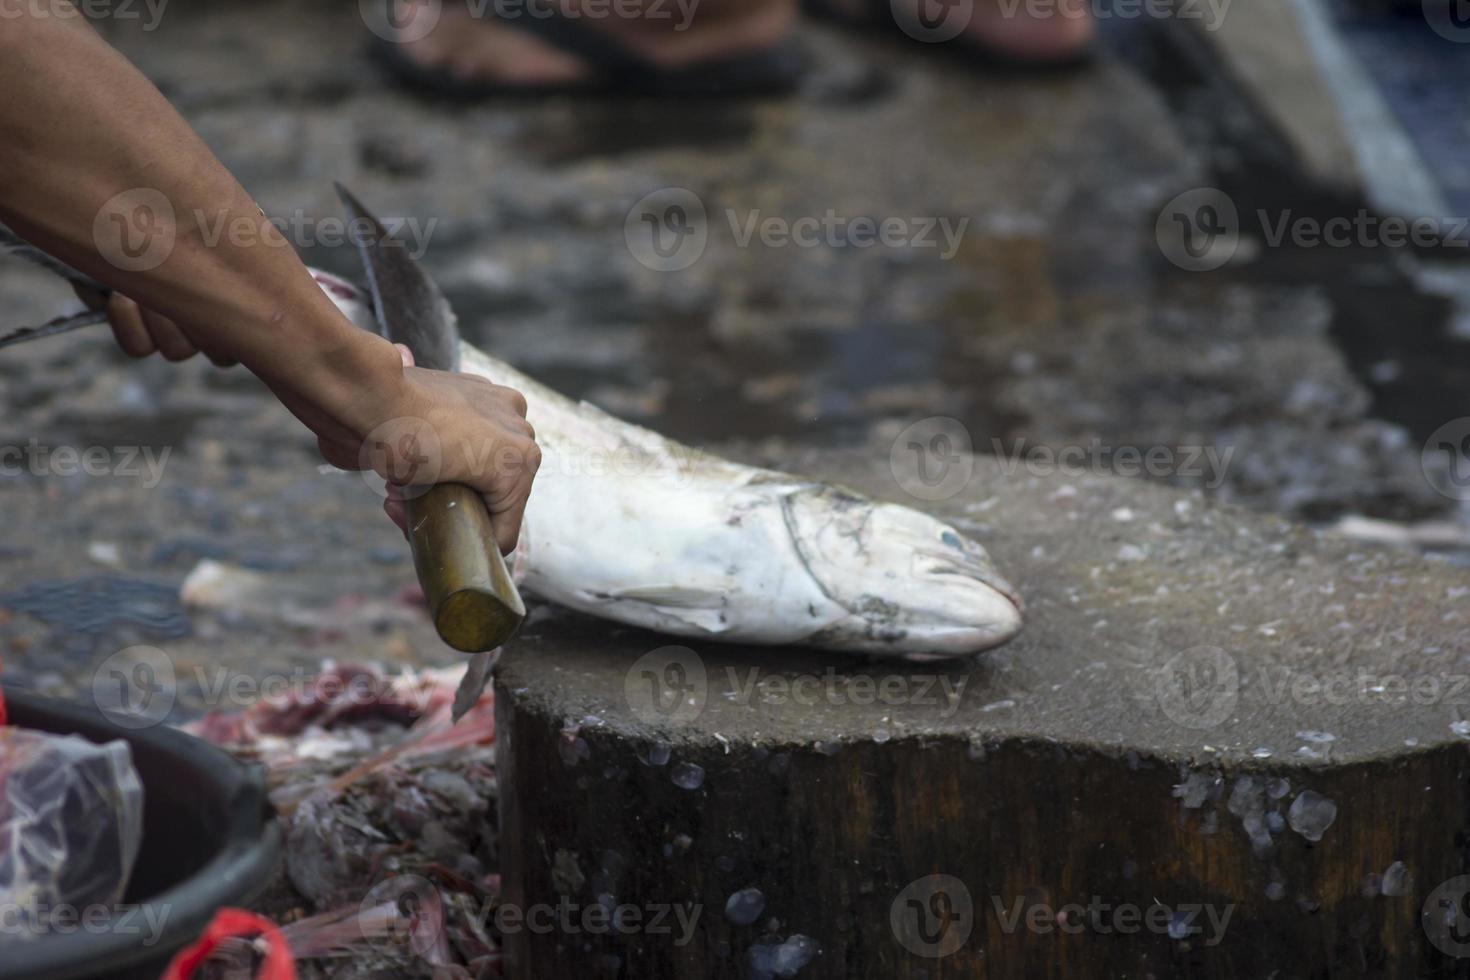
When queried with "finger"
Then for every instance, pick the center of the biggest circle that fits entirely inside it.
(406, 354)
(216, 356)
(126, 321)
(90, 296)
(168, 338)
(505, 415)
(507, 526)
(338, 454)
(397, 513)
(508, 510)
(516, 400)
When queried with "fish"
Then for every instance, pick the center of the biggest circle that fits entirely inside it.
(630, 526)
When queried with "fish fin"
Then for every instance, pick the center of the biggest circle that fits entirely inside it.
(672, 596)
(666, 607)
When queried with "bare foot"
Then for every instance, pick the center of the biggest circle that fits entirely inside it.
(1032, 32)
(491, 50)
(485, 51)
(1055, 32)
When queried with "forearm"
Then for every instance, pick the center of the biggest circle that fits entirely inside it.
(79, 126)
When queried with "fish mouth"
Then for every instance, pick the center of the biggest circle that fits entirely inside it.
(971, 606)
(978, 614)
(963, 571)
(981, 572)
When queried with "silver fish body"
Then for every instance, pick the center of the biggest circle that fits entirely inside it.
(633, 527)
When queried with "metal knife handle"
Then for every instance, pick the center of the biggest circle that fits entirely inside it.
(475, 604)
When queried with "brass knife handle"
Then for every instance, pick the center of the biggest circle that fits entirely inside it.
(475, 604)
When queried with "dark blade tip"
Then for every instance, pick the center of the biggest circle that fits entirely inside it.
(356, 210)
(348, 198)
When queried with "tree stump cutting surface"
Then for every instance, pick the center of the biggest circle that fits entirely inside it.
(1225, 746)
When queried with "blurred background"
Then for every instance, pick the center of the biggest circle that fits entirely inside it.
(1229, 239)
(1216, 244)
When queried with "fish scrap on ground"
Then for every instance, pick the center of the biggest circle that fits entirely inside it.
(382, 800)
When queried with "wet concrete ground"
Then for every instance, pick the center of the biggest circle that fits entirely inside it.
(1301, 382)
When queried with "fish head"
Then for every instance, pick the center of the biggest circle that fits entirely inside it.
(908, 582)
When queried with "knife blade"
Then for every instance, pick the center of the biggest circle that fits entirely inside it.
(474, 602)
(13, 244)
(52, 328)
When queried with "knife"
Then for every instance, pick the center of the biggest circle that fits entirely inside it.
(13, 244)
(474, 602)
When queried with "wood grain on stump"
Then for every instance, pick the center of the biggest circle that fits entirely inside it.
(1225, 746)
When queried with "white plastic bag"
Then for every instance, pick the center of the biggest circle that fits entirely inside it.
(71, 823)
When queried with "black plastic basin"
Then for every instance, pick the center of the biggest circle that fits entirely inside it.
(210, 839)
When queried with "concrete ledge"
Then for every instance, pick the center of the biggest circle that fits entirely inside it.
(1208, 709)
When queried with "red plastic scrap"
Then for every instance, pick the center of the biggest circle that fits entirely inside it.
(236, 924)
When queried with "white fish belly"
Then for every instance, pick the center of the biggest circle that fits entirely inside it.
(636, 528)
